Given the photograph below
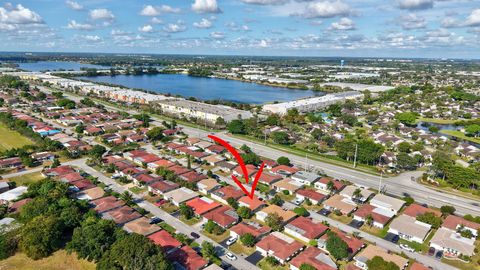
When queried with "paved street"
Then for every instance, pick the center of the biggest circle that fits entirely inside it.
(40, 168)
(240, 263)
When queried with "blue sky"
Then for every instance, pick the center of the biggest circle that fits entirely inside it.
(365, 28)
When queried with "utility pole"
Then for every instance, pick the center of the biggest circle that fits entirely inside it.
(355, 157)
(380, 183)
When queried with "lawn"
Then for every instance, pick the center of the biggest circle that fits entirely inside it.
(60, 260)
(138, 190)
(375, 231)
(460, 135)
(265, 266)
(169, 207)
(27, 178)
(191, 221)
(436, 121)
(239, 248)
(342, 218)
(217, 238)
(11, 139)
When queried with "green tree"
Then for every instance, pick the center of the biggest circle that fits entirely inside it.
(274, 221)
(472, 130)
(220, 122)
(236, 127)
(337, 247)
(8, 244)
(378, 263)
(273, 120)
(244, 212)
(97, 151)
(134, 251)
(406, 162)
(407, 118)
(447, 210)
(232, 202)
(186, 211)
(41, 236)
(212, 228)
(276, 200)
(283, 161)
(79, 128)
(127, 197)
(280, 137)
(306, 266)
(93, 238)
(208, 250)
(301, 211)
(404, 147)
(430, 218)
(248, 239)
(155, 134)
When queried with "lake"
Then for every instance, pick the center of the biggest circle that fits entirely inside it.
(56, 65)
(206, 88)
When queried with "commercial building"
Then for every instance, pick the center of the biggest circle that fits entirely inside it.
(206, 112)
(311, 104)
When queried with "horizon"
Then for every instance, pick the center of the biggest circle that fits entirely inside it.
(428, 29)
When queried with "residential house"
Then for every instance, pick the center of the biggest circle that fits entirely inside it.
(121, 215)
(349, 191)
(305, 178)
(312, 195)
(181, 195)
(286, 215)
(322, 185)
(387, 203)
(165, 240)
(410, 229)
(279, 246)
(314, 257)
(224, 216)
(162, 186)
(354, 244)
(186, 258)
(305, 229)
(202, 205)
(340, 203)
(253, 203)
(378, 216)
(223, 194)
(371, 251)
(287, 184)
(106, 204)
(253, 228)
(207, 186)
(141, 226)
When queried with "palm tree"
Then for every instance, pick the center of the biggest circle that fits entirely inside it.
(331, 186)
(357, 194)
(127, 197)
(369, 220)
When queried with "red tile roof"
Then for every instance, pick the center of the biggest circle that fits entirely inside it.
(254, 229)
(188, 258)
(83, 184)
(202, 205)
(178, 170)
(451, 222)
(269, 178)
(164, 163)
(367, 209)
(311, 194)
(106, 203)
(311, 230)
(123, 214)
(229, 192)
(415, 210)
(284, 168)
(60, 170)
(165, 240)
(147, 158)
(71, 177)
(280, 248)
(309, 256)
(216, 149)
(16, 206)
(193, 176)
(223, 216)
(338, 185)
(253, 203)
(164, 186)
(251, 170)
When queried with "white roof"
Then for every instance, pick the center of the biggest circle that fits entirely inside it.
(13, 194)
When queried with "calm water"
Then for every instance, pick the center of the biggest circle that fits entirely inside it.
(206, 88)
(56, 65)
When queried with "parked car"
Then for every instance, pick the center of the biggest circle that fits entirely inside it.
(439, 255)
(231, 240)
(230, 256)
(160, 202)
(298, 201)
(431, 251)
(406, 247)
(195, 235)
(324, 212)
(155, 220)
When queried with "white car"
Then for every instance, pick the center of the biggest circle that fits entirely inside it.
(406, 247)
(230, 256)
(298, 201)
(231, 240)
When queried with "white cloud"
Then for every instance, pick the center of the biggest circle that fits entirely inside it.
(80, 26)
(217, 35)
(146, 28)
(203, 23)
(150, 10)
(343, 24)
(412, 21)
(156, 20)
(265, 2)
(92, 38)
(206, 6)
(450, 22)
(474, 18)
(326, 9)
(101, 14)
(74, 5)
(263, 44)
(179, 26)
(415, 4)
(7, 27)
(19, 15)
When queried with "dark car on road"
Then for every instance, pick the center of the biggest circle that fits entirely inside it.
(431, 251)
(195, 235)
(324, 212)
(439, 255)
(392, 238)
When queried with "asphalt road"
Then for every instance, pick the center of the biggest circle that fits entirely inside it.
(240, 263)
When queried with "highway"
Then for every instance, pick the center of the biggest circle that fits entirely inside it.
(400, 185)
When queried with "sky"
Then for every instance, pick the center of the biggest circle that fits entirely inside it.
(357, 28)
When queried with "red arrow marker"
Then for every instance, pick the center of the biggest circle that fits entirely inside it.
(241, 163)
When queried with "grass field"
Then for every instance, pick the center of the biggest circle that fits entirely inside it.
(436, 121)
(11, 139)
(60, 260)
(460, 135)
(27, 178)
